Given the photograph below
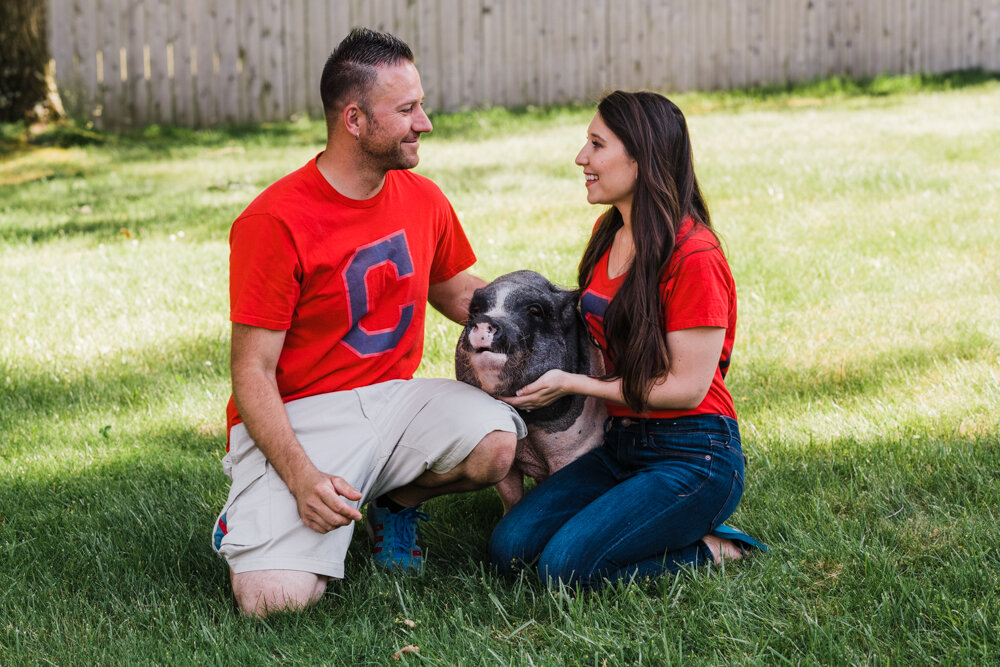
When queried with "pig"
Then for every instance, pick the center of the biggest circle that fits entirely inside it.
(519, 327)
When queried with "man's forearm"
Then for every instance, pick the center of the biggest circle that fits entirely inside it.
(263, 412)
(451, 298)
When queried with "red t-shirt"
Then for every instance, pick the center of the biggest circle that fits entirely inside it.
(697, 291)
(346, 279)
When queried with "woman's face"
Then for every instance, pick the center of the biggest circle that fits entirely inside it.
(609, 169)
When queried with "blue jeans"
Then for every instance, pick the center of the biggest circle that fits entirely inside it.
(637, 507)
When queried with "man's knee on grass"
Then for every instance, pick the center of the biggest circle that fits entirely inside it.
(264, 592)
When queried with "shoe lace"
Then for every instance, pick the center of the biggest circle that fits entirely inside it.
(407, 528)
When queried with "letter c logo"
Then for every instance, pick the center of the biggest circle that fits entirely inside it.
(390, 250)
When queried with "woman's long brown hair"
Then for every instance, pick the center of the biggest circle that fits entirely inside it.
(655, 135)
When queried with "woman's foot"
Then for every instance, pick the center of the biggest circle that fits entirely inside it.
(722, 548)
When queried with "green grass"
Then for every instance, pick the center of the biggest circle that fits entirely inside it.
(862, 221)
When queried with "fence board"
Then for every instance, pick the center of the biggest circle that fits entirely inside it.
(928, 23)
(109, 45)
(84, 57)
(204, 49)
(470, 53)
(317, 50)
(158, 85)
(274, 91)
(448, 47)
(60, 25)
(491, 88)
(551, 73)
(795, 23)
(774, 53)
(229, 62)
(134, 33)
(534, 47)
(426, 54)
(179, 37)
(990, 56)
(531, 36)
(200, 62)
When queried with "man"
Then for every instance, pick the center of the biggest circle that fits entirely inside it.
(331, 269)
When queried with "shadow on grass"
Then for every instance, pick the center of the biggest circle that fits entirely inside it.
(198, 222)
(840, 87)
(102, 388)
(143, 513)
(776, 386)
(64, 199)
(157, 370)
(163, 138)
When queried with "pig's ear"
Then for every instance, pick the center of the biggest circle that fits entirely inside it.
(568, 311)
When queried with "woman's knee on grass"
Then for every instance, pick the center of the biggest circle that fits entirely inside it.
(510, 548)
(263, 592)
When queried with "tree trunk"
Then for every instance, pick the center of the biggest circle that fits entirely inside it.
(27, 87)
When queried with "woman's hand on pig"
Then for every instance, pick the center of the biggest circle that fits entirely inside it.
(550, 387)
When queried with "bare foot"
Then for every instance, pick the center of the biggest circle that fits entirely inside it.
(721, 548)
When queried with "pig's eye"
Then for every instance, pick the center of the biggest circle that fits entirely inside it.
(535, 310)
(474, 309)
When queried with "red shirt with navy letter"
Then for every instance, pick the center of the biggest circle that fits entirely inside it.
(697, 290)
(346, 279)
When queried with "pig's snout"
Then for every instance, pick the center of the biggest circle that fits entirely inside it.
(484, 335)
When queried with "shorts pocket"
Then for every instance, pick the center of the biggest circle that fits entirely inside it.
(245, 519)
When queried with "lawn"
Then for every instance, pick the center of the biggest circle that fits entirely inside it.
(862, 222)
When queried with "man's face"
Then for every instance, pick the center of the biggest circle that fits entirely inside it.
(396, 118)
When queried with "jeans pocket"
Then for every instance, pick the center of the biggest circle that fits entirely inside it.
(732, 500)
(697, 468)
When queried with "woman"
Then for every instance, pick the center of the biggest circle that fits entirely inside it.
(659, 299)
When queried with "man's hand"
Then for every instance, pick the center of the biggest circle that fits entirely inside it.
(321, 503)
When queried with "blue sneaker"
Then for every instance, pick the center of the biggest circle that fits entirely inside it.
(396, 539)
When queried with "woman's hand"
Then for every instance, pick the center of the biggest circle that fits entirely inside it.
(552, 386)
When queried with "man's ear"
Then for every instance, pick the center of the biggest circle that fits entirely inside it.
(351, 117)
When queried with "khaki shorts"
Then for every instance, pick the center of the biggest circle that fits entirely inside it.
(378, 438)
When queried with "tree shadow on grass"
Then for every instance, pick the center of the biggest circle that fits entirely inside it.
(207, 221)
(33, 399)
(158, 370)
(135, 521)
(165, 138)
(776, 386)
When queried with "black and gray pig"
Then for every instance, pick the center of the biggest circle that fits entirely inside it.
(520, 326)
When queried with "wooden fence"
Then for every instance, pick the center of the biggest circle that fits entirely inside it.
(201, 62)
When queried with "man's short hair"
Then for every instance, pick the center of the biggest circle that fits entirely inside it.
(350, 71)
